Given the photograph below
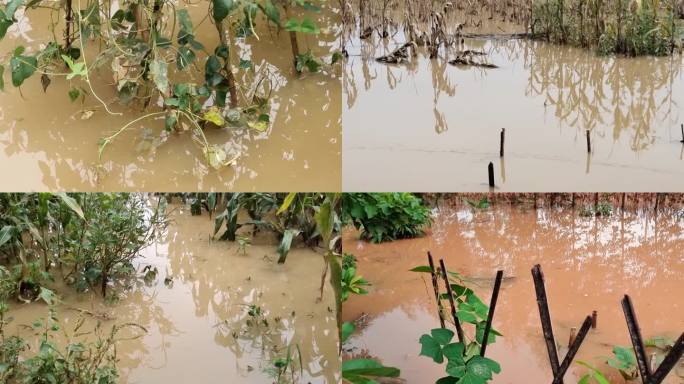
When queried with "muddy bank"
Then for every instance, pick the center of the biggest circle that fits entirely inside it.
(589, 264)
(46, 144)
(196, 311)
(441, 123)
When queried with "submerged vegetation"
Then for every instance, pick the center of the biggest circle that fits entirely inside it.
(89, 240)
(630, 27)
(152, 52)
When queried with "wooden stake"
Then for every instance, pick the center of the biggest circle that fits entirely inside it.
(573, 336)
(588, 142)
(682, 140)
(503, 139)
(492, 307)
(594, 319)
(637, 341)
(435, 286)
(490, 170)
(457, 323)
(545, 317)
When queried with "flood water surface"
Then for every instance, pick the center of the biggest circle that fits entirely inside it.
(49, 143)
(588, 263)
(198, 325)
(441, 123)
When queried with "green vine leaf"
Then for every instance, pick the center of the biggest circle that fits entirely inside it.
(222, 8)
(77, 69)
(22, 67)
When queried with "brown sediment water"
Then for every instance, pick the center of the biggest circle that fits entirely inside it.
(45, 144)
(589, 264)
(198, 327)
(440, 123)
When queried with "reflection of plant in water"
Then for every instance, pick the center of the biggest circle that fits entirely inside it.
(142, 42)
(585, 90)
(281, 366)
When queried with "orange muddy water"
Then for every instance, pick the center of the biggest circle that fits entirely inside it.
(441, 123)
(46, 144)
(589, 264)
(198, 326)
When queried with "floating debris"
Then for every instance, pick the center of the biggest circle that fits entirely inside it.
(473, 59)
(400, 55)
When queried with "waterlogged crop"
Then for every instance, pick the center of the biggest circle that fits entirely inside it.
(90, 240)
(159, 65)
(465, 363)
(386, 216)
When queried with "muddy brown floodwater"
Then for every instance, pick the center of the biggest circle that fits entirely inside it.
(440, 123)
(191, 323)
(46, 145)
(589, 264)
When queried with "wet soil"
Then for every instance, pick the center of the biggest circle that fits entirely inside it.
(589, 264)
(198, 326)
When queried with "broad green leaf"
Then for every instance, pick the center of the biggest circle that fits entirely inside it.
(222, 8)
(368, 368)
(421, 269)
(77, 69)
(286, 203)
(22, 67)
(454, 352)
(442, 335)
(71, 203)
(5, 234)
(347, 330)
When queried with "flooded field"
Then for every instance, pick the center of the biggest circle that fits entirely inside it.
(196, 312)
(589, 264)
(48, 142)
(441, 123)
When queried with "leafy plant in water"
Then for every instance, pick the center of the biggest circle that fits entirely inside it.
(363, 370)
(143, 41)
(465, 365)
(624, 361)
(592, 376)
(78, 362)
(386, 216)
(352, 283)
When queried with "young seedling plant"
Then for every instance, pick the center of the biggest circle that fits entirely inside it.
(466, 363)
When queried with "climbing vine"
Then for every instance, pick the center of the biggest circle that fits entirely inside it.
(152, 50)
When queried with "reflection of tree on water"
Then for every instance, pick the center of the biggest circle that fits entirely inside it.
(247, 337)
(586, 90)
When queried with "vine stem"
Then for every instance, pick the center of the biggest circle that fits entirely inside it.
(107, 140)
(87, 75)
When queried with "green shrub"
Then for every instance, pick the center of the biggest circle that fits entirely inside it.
(386, 216)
